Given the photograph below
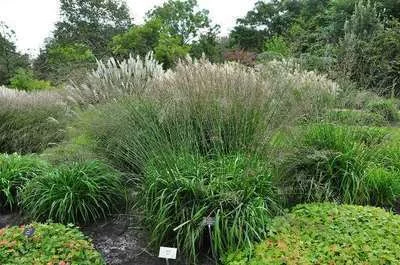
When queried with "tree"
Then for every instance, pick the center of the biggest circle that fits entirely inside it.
(83, 33)
(24, 79)
(169, 50)
(171, 31)
(183, 19)
(151, 36)
(210, 46)
(369, 52)
(138, 40)
(248, 38)
(92, 23)
(61, 62)
(10, 59)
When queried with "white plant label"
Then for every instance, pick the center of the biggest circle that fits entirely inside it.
(167, 253)
(208, 221)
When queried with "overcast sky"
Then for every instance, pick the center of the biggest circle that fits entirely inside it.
(33, 20)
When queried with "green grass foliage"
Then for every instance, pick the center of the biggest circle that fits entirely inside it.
(15, 172)
(341, 163)
(385, 107)
(208, 109)
(75, 193)
(327, 234)
(355, 117)
(50, 244)
(235, 190)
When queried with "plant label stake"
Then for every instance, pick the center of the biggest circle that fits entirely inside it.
(167, 254)
(29, 231)
(210, 221)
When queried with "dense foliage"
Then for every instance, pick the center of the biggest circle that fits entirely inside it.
(76, 193)
(49, 244)
(298, 105)
(10, 59)
(15, 172)
(340, 163)
(179, 192)
(327, 233)
(25, 80)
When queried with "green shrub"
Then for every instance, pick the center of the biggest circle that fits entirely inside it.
(386, 108)
(328, 162)
(327, 234)
(236, 190)
(355, 117)
(24, 80)
(53, 244)
(77, 193)
(31, 122)
(277, 45)
(15, 171)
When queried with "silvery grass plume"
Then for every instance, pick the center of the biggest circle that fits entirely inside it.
(31, 121)
(115, 79)
(301, 94)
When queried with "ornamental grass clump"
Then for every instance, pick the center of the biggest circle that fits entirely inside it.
(236, 191)
(15, 172)
(77, 193)
(114, 79)
(205, 108)
(328, 162)
(31, 121)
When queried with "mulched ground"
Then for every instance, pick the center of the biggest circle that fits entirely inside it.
(120, 242)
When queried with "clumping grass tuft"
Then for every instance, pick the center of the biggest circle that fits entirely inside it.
(355, 118)
(114, 79)
(328, 162)
(179, 192)
(15, 171)
(31, 121)
(383, 186)
(385, 107)
(206, 108)
(75, 193)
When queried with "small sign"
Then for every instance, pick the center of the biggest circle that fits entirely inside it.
(29, 231)
(167, 253)
(208, 221)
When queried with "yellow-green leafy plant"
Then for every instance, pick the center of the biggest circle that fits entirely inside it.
(53, 244)
(327, 234)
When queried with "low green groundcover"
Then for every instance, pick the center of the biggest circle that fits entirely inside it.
(50, 244)
(328, 234)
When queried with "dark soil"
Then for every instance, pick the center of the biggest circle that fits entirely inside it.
(121, 243)
(117, 239)
(10, 219)
(120, 240)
